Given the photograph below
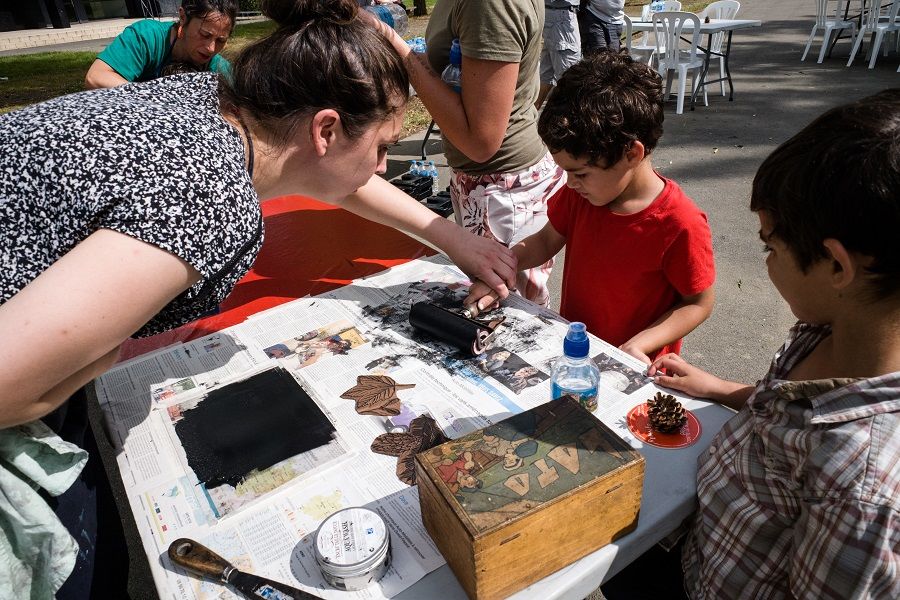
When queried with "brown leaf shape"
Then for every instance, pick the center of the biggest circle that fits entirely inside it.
(393, 444)
(426, 431)
(376, 395)
(423, 434)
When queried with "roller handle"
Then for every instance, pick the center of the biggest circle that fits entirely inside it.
(197, 558)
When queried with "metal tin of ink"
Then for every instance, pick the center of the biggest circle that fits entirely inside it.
(353, 548)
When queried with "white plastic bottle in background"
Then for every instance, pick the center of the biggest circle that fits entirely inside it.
(452, 74)
(435, 176)
(575, 372)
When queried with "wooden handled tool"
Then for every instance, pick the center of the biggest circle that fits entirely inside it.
(200, 560)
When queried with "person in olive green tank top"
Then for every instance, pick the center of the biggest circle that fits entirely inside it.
(149, 49)
(502, 173)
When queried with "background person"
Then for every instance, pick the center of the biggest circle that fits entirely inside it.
(502, 174)
(562, 43)
(149, 48)
(600, 23)
(130, 211)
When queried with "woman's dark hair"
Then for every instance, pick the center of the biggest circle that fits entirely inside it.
(323, 55)
(840, 178)
(202, 8)
(600, 106)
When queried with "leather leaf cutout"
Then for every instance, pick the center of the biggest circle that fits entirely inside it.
(393, 444)
(423, 435)
(376, 395)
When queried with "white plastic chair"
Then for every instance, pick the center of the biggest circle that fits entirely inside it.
(830, 23)
(877, 27)
(640, 54)
(722, 9)
(645, 46)
(669, 29)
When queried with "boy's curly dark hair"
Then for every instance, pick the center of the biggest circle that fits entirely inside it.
(840, 178)
(600, 106)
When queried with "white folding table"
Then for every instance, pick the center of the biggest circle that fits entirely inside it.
(727, 26)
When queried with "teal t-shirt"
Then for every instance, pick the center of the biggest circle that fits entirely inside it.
(141, 51)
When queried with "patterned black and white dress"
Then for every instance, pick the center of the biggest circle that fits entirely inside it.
(154, 161)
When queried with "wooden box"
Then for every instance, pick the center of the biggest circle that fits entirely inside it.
(513, 502)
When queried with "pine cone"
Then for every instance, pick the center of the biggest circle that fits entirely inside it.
(666, 413)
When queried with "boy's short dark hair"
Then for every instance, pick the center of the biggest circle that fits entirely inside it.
(600, 106)
(840, 178)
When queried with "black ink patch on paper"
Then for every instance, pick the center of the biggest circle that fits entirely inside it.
(250, 425)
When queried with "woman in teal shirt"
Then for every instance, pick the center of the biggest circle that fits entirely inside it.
(148, 48)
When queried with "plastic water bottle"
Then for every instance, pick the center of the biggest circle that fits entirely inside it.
(574, 372)
(452, 74)
(433, 173)
(413, 167)
(392, 14)
(657, 6)
(417, 45)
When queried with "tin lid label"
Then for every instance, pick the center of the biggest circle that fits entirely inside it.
(351, 536)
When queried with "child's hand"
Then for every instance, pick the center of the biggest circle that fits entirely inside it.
(482, 296)
(682, 376)
(636, 352)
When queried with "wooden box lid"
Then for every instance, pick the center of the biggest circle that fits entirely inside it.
(524, 464)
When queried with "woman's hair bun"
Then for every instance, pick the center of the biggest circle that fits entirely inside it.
(289, 13)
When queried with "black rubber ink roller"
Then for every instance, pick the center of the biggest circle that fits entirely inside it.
(454, 328)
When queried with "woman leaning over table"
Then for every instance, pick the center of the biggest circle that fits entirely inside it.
(150, 48)
(503, 174)
(132, 210)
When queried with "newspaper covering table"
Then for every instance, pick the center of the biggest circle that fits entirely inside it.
(264, 525)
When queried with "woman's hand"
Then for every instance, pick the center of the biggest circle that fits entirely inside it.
(482, 258)
(682, 376)
(387, 31)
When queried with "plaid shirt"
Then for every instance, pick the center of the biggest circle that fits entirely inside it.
(799, 493)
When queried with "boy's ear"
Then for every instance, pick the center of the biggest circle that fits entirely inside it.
(323, 130)
(636, 153)
(844, 265)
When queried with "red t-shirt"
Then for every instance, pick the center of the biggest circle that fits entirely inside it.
(623, 271)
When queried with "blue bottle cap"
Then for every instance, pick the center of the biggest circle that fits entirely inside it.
(576, 344)
(455, 52)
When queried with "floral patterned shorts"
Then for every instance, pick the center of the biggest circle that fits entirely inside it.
(508, 207)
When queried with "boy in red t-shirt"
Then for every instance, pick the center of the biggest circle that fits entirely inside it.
(639, 267)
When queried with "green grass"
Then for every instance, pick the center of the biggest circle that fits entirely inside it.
(34, 78)
(37, 77)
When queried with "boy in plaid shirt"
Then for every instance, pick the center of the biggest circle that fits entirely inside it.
(799, 493)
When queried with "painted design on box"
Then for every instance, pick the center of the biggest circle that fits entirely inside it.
(515, 466)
